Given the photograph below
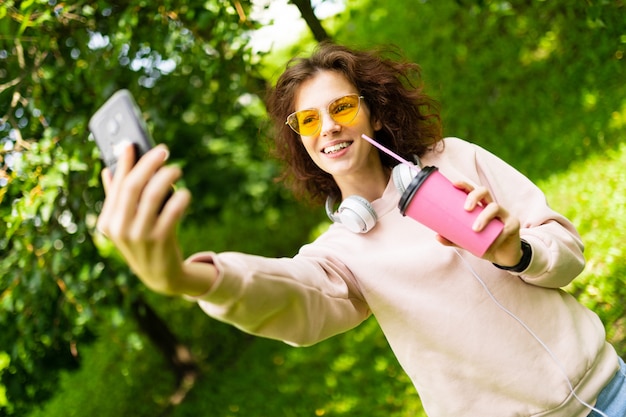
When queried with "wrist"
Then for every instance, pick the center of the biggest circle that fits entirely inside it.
(524, 261)
(197, 278)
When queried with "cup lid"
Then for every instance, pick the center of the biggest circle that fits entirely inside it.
(412, 188)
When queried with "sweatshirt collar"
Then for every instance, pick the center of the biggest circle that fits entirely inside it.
(388, 201)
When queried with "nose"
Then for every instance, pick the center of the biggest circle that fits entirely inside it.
(329, 125)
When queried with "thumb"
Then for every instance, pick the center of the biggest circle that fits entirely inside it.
(107, 178)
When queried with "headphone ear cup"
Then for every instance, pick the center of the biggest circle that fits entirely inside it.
(402, 176)
(357, 214)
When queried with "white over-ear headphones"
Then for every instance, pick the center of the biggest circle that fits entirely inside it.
(402, 175)
(356, 213)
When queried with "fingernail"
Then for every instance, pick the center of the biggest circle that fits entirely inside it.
(166, 153)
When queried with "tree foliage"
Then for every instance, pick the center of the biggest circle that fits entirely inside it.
(513, 72)
(190, 69)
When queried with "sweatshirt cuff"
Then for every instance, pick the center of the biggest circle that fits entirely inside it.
(208, 258)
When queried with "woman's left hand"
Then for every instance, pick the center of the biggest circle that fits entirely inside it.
(506, 250)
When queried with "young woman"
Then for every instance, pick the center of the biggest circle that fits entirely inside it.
(478, 336)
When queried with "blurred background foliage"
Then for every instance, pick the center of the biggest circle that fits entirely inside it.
(540, 83)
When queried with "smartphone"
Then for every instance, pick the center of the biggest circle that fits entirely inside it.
(119, 120)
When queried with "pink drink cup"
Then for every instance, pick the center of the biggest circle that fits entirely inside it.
(434, 201)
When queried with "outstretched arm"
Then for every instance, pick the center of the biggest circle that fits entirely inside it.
(134, 218)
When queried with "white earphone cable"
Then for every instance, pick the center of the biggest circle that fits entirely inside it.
(532, 333)
(493, 298)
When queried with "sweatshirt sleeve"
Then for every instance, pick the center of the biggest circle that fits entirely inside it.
(557, 249)
(300, 300)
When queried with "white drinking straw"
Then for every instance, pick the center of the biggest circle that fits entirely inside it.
(390, 153)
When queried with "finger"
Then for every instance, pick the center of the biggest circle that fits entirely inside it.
(153, 198)
(125, 189)
(474, 194)
(106, 177)
(103, 221)
(125, 152)
(445, 241)
(135, 180)
(462, 185)
(154, 158)
(479, 196)
(172, 213)
(489, 212)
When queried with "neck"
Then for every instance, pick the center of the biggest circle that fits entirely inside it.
(370, 187)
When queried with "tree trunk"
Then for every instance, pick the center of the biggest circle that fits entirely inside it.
(178, 355)
(306, 10)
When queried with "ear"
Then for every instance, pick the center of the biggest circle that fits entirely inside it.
(376, 125)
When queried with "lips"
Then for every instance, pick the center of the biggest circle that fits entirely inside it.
(336, 147)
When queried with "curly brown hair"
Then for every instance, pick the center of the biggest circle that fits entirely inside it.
(393, 92)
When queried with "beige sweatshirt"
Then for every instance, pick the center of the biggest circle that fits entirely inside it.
(475, 340)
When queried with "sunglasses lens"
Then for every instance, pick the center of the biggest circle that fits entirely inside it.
(344, 109)
(308, 122)
(305, 122)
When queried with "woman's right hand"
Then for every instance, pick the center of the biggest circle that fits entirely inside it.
(134, 218)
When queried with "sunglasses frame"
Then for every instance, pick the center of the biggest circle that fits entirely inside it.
(292, 116)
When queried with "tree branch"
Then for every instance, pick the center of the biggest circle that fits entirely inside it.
(314, 24)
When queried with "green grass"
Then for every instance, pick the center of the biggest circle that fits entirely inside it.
(592, 195)
(350, 374)
(121, 375)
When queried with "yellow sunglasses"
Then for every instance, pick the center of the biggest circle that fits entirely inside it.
(342, 110)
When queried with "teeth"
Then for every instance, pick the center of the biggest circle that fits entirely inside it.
(336, 148)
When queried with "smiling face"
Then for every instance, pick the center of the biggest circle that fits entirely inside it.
(338, 148)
